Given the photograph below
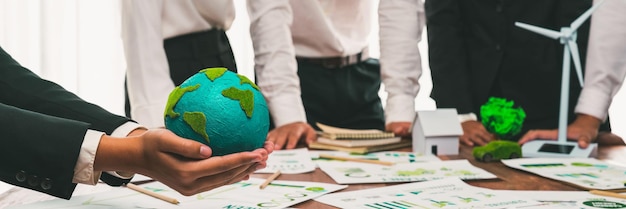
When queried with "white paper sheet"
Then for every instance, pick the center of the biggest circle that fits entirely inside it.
(569, 199)
(289, 162)
(358, 173)
(388, 156)
(245, 194)
(4, 187)
(443, 193)
(585, 172)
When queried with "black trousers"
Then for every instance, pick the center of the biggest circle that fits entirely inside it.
(187, 54)
(346, 97)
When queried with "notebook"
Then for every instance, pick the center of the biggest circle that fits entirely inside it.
(361, 150)
(336, 133)
(358, 142)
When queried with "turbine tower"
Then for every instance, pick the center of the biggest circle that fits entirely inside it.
(567, 37)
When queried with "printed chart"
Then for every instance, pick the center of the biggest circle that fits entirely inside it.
(443, 193)
(588, 173)
(569, 199)
(387, 156)
(357, 173)
(289, 162)
(278, 194)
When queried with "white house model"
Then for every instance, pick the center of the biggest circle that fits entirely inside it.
(437, 132)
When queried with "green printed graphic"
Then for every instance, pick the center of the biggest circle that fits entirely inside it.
(416, 172)
(543, 165)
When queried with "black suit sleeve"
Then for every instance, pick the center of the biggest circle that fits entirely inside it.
(447, 55)
(42, 127)
(38, 151)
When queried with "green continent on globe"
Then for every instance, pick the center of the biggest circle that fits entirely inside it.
(222, 106)
(502, 119)
(245, 80)
(174, 96)
(197, 122)
(245, 97)
(214, 73)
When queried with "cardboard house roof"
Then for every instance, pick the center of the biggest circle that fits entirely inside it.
(440, 122)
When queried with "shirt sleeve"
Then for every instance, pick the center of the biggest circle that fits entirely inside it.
(606, 66)
(275, 63)
(401, 24)
(84, 172)
(147, 73)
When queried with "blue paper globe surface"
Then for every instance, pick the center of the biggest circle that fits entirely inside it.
(221, 109)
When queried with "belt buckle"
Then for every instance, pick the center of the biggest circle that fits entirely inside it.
(335, 62)
(340, 62)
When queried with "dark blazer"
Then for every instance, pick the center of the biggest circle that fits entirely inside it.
(476, 51)
(42, 127)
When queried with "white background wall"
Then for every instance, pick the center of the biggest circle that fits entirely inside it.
(78, 45)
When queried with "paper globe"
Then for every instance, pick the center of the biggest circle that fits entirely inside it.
(221, 109)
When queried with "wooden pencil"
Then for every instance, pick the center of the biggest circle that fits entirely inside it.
(607, 194)
(619, 190)
(151, 193)
(356, 159)
(270, 179)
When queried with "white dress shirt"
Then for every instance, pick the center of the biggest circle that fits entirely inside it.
(282, 30)
(145, 24)
(83, 171)
(606, 59)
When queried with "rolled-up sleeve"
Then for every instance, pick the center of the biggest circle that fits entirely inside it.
(606, 59)
(401, 25)
(275, 62)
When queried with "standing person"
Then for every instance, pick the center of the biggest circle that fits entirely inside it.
(166, 42)
(312, 65)
(605, 74)
(52, 140)
(476, 52)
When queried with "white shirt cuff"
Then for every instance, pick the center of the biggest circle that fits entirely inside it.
(594, 102)
(400, 108)
(125, 129)
(84, 172)
(286, 110)
(467, 117)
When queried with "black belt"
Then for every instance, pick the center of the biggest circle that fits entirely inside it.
(197, 44)
(334, 62)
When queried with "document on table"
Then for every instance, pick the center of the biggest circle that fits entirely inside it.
(4, 187)
(359, 173)
(289, 162)
(245, 194)
(568, 199)
(587, 173)
(443, 193)
(387, 156)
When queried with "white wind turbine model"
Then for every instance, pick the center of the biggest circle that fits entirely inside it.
(567, 37)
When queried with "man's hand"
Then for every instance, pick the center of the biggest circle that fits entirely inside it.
(584, 129)
(289, 135)
(182, 164)
(399, 128)
(474, 133)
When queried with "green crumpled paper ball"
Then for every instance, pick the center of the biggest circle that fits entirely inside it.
(500, 117)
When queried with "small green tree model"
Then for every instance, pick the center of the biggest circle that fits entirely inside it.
(502, 119)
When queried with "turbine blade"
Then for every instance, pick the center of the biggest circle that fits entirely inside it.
(546, 32)
(573, 49)
(580, 20)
